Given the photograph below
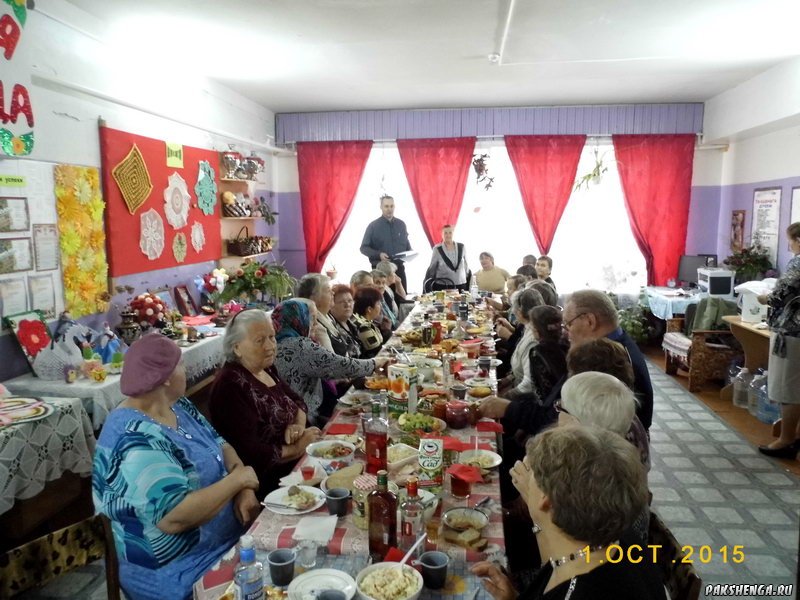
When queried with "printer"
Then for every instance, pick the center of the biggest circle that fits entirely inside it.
(716, 282)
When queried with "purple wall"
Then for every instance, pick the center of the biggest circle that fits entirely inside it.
(701, 233)
(740, 197)
(291, 241)
(552, 120)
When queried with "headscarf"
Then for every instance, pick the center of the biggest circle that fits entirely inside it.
(291, 319)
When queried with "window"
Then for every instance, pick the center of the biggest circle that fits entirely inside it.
(593, 246)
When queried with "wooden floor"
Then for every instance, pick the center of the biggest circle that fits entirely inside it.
(741, 420)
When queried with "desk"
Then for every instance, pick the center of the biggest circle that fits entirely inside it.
(101, 398)
(31, 454)
(755, 343)
(666, 302)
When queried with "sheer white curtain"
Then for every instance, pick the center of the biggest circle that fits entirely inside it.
(593, 246)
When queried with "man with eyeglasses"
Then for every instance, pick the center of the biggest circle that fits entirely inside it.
(588, 315)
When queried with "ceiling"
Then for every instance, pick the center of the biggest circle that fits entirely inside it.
(321, 55)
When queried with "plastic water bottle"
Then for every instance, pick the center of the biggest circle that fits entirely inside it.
(753, 389)
(249, 573)
(768, 411)
(740, 385)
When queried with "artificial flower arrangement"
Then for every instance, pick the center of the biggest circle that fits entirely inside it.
(253, 281)
(210, 286)
(149, 309)
(751, 262)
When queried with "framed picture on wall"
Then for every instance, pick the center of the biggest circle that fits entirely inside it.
(186, 305)
(14, 214)
(794, 216)
(737, 230)
(165, 295)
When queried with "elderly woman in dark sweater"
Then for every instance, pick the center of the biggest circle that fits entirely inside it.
(302, 362)
(252, 408)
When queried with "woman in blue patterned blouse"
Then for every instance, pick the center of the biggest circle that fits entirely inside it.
(176, 493)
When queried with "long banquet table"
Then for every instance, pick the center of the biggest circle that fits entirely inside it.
(348, 549)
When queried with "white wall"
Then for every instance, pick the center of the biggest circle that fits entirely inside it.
(763, 158)
(66, 120)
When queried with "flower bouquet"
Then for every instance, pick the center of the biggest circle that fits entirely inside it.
(210, 287)
(751, 262)
(255, 281)
(148, 308)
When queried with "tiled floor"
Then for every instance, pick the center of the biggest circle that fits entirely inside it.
(710, 486)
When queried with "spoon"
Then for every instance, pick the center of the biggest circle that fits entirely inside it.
(411, 550)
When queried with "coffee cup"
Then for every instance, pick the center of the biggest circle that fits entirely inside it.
(337, 500)
(434, 569)
(281, 566)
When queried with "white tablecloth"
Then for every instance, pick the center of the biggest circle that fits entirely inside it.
(101, 398)
(665, 303)
(31, 454)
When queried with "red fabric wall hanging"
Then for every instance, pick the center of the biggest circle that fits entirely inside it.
(437, 171)
(656, 175)
(545, 166)
(123, 228)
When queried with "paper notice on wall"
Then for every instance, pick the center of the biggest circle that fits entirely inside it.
(13, 296)
(174, 155)
(766, 221)
(43, 295)
(45, 246)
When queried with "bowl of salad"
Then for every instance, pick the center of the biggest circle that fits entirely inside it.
(332, 455)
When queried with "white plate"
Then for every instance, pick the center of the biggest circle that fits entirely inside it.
(304, 586)
(464, 457)
(279, 497)
(478, 382)
(357, 398)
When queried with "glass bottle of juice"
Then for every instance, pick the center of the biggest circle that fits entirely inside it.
(377, 434)
(382, 519)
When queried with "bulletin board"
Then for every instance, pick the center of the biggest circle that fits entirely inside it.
(30, 265)
(149, 226)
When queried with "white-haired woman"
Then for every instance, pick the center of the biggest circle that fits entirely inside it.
(583, 487)
(317, 288)
(252, 408)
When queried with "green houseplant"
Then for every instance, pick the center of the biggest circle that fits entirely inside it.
(255, 281)
(635, 320)
(751, 262)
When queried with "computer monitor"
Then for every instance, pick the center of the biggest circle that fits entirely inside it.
(711, 259)
(687, 269)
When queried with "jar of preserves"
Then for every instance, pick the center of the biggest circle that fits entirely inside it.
(457, 415)
(440, 409)
(362, 486)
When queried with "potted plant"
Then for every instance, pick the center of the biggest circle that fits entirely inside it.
(594, 176)
(751, 262)
(255, 281)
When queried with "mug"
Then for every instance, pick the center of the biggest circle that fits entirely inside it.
(434, 569)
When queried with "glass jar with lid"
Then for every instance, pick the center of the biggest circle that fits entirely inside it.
(457, 415)
(362, 486)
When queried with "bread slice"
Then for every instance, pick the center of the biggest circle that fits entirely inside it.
(468, 536)
(343, 478)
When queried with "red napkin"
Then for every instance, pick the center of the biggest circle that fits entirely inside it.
(341, 428)
(393, 555)
(489, 426)
(466, 473)
(219, 576)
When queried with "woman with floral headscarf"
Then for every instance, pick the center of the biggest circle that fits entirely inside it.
(303, 363)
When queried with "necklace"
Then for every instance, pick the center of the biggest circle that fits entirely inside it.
(583, 552)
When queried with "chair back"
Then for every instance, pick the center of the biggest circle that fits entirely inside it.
(680, 579)
(433, 283)
(40, 561)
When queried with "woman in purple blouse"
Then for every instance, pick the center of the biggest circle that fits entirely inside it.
(252, 408)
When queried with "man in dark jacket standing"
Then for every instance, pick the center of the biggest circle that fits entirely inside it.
(386, 237)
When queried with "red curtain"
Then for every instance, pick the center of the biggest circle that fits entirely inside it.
(656, 174)
(545, 166)
(329, 176)
(437, 171)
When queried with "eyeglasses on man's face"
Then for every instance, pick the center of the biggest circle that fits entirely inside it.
(568, 324)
